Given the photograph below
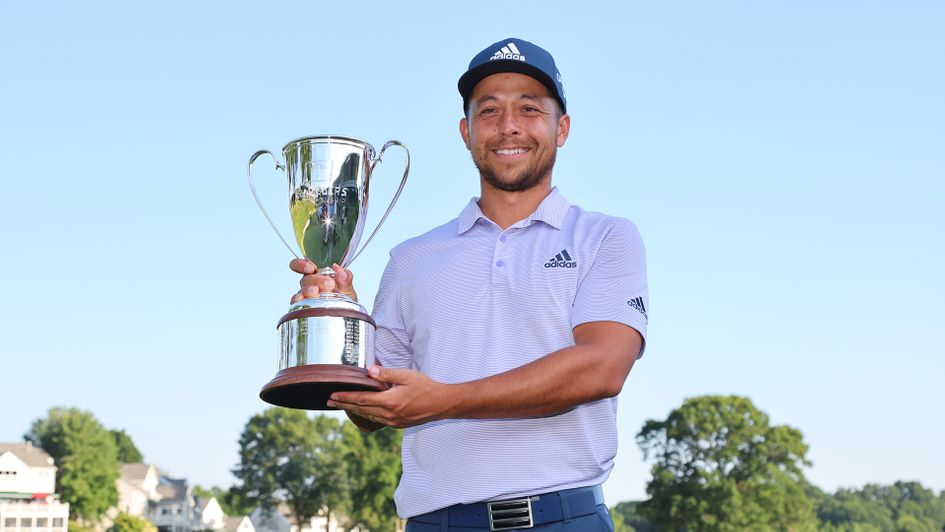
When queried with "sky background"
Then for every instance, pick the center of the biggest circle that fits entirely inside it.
(784, 162)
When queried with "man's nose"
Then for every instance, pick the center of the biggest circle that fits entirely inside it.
(509, 124)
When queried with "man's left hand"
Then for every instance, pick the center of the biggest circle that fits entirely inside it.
(412, 400)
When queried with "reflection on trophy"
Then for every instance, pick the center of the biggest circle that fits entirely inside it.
(326, 343)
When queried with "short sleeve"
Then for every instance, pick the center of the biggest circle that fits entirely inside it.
(391, 343)
(614, 288)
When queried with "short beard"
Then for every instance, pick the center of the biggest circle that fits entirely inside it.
(524, 181)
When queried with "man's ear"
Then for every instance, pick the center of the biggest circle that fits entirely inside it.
(564, 128)
(464, 131)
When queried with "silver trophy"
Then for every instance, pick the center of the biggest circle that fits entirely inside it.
(326, 343)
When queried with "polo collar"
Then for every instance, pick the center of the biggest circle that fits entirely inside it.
(552, 210)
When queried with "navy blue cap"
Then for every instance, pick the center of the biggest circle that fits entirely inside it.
(513, 55)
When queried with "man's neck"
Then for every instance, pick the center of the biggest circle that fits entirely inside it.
(506, 208)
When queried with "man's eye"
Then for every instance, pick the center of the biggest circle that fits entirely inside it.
(530, 109)
(487, 110)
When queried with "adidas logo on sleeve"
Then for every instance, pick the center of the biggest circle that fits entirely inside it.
(561, 260)
(637, 303)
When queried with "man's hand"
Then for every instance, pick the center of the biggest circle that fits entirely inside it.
(594, 368)
(312, 283)
(412, 400)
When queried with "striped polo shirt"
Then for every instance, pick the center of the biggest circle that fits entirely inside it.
(468, 300)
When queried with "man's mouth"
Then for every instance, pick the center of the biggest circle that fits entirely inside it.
(511, 151)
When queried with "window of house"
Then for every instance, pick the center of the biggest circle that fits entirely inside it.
(9, 522)
(57, 521)
(26, 522)
(42, 522)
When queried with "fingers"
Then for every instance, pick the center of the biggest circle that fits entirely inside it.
(313, 284)
(390, 376)
(364, 415)
(354, 401)
(343, 277)
(302, 266)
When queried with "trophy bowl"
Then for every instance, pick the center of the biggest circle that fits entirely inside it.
(326, 343)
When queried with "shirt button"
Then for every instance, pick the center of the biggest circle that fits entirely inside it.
(502, 238)
(500, 264)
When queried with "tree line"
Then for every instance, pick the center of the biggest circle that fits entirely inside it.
(718, 464)
(315, 466)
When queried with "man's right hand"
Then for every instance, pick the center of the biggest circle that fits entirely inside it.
(312, 283)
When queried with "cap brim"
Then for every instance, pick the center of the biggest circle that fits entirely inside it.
(469, 80)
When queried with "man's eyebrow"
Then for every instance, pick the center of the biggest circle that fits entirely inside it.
(526, 96)
(485, 98)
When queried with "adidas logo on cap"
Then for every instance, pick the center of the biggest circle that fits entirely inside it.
(509, 51)
(561, 260)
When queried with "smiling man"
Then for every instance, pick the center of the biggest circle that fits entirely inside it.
(507, 333)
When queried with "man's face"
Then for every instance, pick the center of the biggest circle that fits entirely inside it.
(513, 130)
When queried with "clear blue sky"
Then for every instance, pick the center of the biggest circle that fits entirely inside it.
(784, 162)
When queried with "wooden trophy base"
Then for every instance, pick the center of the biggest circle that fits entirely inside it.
(309, 387)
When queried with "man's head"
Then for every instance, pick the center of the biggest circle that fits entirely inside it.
(515, 115)
(513, 55)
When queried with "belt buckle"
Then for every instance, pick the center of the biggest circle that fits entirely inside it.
(513, 513)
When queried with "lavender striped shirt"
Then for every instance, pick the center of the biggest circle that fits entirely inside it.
(468, 300)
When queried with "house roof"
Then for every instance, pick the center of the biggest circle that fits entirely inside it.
(30, 455)
(202, 503)
(172, 489)
(232, 524)
(135, 471)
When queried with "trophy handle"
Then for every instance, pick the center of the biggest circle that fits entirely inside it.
(400, 188)
(249, 176)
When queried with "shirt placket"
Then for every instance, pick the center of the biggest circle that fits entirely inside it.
(500, 258)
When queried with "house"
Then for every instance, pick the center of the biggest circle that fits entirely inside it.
(173, 510)
(281, 520)
(238, 524)
(27, 491)
(137, 486)
(145, 491)
(208, 515)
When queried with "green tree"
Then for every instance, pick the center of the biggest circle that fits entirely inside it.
(86, 456)
(75, 526)
(629, 512)
(901, 507)
(128, 453)
(129, 523)
(720, 466)
(288, 458)
(619, 524)
(373, 470)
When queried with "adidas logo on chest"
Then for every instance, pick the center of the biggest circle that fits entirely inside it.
(561, 260)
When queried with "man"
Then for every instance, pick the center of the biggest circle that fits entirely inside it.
(506, 333)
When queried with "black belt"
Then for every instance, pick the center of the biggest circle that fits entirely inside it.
(525, 512)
